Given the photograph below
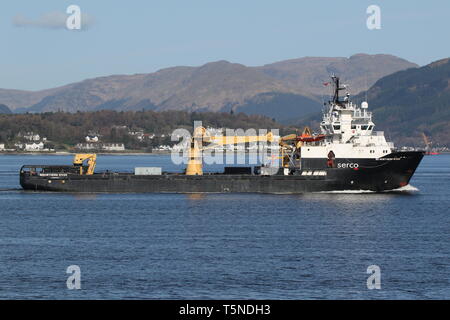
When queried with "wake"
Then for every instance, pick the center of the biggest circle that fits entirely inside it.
(406, 189)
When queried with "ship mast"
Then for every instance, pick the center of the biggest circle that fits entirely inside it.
(337, 88)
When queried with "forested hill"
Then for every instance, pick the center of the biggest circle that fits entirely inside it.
(413, 101)
(64, 129)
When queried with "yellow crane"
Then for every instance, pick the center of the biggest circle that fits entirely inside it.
(195, 161)
(79, 160)
(288, 145)
(426, 141)
(200, 136)
(293, 142)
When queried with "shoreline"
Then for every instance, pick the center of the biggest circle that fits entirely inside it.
(67, 153)
(64, 153)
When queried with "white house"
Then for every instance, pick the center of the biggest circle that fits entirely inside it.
(34, 146)
(90, 138)
(2, 146)
(137, 133)
(100, 146)
(113, 146)
(31, 136)
(87, 146)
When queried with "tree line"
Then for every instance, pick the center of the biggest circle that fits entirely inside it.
(64, 129)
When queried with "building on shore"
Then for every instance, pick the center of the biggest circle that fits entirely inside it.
(87, 146)
(113, 147)
(98, 146)
(34, 146)
(91, 138)
(30, 147)
(31, 136)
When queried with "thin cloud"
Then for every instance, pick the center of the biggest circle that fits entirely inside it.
(50, 20)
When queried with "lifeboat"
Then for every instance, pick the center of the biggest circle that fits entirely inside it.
(308, 137)
(311, 138)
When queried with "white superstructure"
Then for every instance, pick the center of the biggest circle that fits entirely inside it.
(349, 131)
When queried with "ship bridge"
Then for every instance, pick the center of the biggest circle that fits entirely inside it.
(345, 122)
(349, 130)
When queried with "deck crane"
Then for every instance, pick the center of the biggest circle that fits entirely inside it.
(201, 135)
(427, 142)
(79, 160)
(428, 145)
(288, 146)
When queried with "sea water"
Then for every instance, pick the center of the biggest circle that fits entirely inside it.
(224, 246)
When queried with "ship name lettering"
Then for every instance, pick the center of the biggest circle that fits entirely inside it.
(348, 165)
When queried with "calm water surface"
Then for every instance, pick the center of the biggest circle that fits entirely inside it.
(224, 246)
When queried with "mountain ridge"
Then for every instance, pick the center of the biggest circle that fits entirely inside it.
(214, 86)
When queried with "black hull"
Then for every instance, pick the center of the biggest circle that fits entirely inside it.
(388, 173)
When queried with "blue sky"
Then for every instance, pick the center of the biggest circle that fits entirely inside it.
(138, 36)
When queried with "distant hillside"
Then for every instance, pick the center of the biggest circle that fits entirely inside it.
(408, 103)
(214, 86)
(64, 130)
(283, 107)
(4, 109)
(20, 98)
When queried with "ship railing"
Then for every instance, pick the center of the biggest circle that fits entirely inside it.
(45, 170)
(360, 115)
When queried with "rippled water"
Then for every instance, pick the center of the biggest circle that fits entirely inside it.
(224, 246)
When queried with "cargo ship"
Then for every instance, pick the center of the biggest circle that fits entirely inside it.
(347, 155)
